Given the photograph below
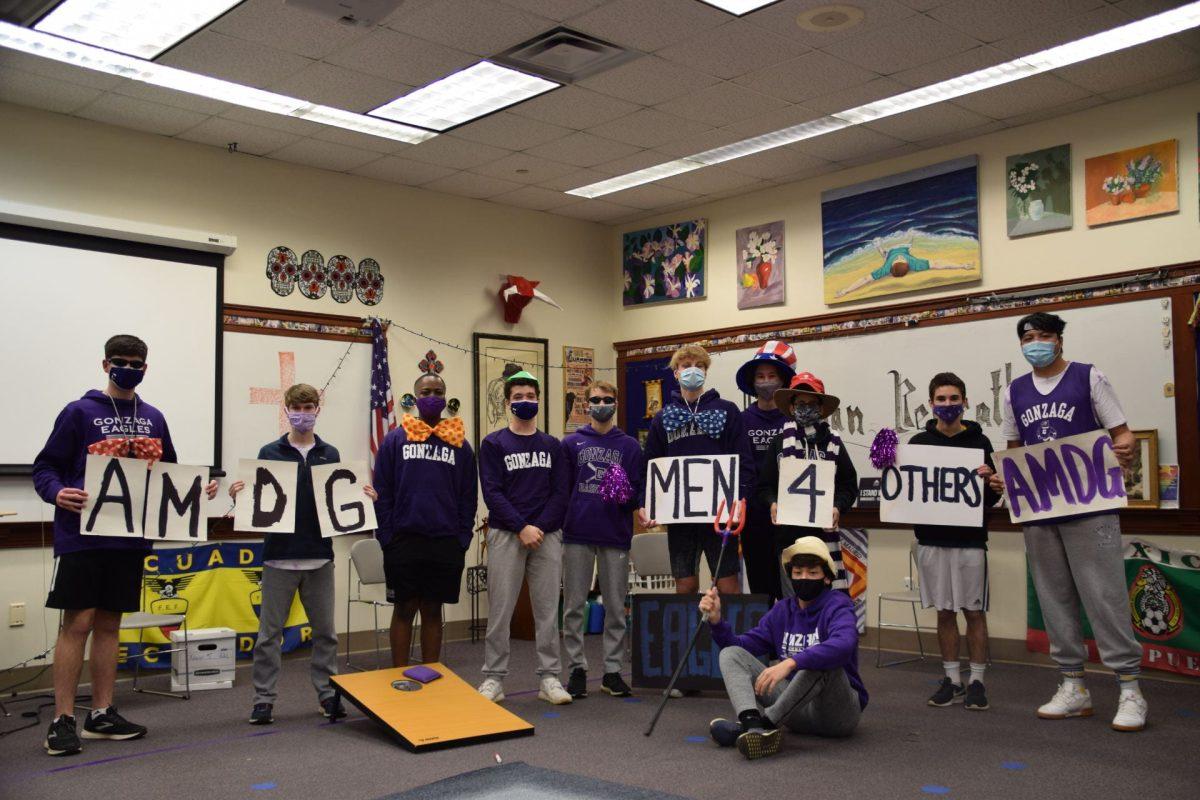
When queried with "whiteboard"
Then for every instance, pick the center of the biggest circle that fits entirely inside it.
(884, 377)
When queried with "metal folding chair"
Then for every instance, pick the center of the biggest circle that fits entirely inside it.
(165, 612)
(911, 596)
(366, 559)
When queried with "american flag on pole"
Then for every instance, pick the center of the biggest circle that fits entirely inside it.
(383, 405)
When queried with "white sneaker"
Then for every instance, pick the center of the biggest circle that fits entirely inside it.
(492, 689)
(1131, 711)
(1071, 700)
(553, 692)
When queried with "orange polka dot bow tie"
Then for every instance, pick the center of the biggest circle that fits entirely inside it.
(450, 431)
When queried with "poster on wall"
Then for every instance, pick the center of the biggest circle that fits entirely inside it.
(665, 264)
(579, 370)
(1132, 184)
(493, 352)
(761, 267)
(1038, 191)
(914, 230)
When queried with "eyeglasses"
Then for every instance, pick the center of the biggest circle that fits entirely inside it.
(125, 362)
(602, 401)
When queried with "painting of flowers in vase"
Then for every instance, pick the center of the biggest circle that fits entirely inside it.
(761, 268)
(664, 264)
(1133, 184)
(1039, 191)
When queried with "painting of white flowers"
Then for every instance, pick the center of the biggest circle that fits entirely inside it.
(665, 264)
(761, 268)
(1039, 191)
(1133, 184)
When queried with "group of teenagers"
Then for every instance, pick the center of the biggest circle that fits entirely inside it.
(551, 524)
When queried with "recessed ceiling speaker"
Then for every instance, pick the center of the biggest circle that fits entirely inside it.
(827, 19)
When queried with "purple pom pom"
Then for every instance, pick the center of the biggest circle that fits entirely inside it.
(615, 486)
(883, 449)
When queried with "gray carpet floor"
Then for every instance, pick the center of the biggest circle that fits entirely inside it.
(204, 748)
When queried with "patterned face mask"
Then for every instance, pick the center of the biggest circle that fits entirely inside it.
(806, 416)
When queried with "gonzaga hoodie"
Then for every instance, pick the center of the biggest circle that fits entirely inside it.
(690, 440)
(822, 636)
(83, 427)
(945, 535)
(588, 455)
(524, 480)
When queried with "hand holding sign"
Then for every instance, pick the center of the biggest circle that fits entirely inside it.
(930, 485)
(1065, 477)
(339, 490)
(690, 488)
(270, 506)
(116, 496)
(805, 493)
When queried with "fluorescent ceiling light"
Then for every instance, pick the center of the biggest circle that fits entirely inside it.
(1145, 30)
(142, 28)
(124, 66)
(739, 7)
(464, 96)
(655, 173)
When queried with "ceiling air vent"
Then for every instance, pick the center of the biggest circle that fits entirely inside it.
(357, 13)
(564, 55)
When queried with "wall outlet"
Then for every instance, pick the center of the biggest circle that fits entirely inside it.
(16, 615)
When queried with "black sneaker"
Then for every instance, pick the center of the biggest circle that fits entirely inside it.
(759, 742)
(947, 694)
(331, 708)
(111, 725)
(725, 732)
(577, 684)
(261, 714)
(612, 684)
(61, 739)
(976, 697)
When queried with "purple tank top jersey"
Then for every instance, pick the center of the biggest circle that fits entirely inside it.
(1066, 411)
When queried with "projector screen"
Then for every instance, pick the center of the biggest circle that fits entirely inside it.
(68, 293)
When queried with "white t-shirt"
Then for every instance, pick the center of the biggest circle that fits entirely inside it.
(1105, 405)
(297, 564)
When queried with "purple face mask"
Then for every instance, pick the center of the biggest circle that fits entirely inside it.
(302, 421)
(948, 413)
(430, 406)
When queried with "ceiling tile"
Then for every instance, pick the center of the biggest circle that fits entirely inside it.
(1165, 82)
(1055, 111)
(594, 210)
(396, 56)
(510, 131)
(325, 155)
(1130, 67)
(893, 152)
(339, 87)
(294, 30)
(951, 67)
(363, 141)
(1021, 97)
(699, 143)
(732, 49)
(847, 143)
(926, 123)
(1061, 31)
(524, 168)
(648, 80)
(775, 164)
(170, 97)
(809, 75)
(275, 122)
(633, 163)
(402, 170)
(559, 10)
(250, 139)
(711, 180)
(129, 112)
(771, 121)
(649, 26)
(809, 172)
(449, 151)
(648, 128)
(534, 197)
(991, 20)
(903, 45)
(853, 96)
(36, 65)
(722, 104)
(651, 195)
(482, 27)
(237, 60)
(962, 135)
(574, 180)
(27, 89)
(781, 19)
(574, 107)
(468, 184)
(582, 150)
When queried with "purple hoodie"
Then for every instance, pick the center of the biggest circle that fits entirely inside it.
(588, 455)
(79, 426)
(524, 480)
(822, 636)
(691, 441)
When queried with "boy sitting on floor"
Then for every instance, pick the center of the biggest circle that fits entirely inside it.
(815, 688)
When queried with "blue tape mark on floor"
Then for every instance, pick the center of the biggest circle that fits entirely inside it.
(695, 739)
(260, 787)
(933, 788)
(551, 715)
(1186, 713)
(633, 699)
(1014, 765)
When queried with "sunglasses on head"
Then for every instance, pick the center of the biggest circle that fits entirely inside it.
(602, 401)
(126, 362)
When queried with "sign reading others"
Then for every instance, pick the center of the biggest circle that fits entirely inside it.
(690, 488)
(1062, 478)
(931, 485)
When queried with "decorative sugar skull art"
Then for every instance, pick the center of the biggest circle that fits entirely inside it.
(282, 269)
(314, 280)
(341, 278)
(369, 284)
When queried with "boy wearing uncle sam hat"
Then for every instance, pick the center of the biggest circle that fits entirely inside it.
(815, 686)
(806, 434)
(770, 369)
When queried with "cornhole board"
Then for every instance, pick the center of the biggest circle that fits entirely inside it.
(447, 712)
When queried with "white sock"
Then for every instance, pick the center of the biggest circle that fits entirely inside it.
(1075, 680)
(953, 672)
(977, 671)
(1129, 685)
(97, 712)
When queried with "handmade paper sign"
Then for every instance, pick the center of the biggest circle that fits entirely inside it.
(116, 490)
(931, 485)
(1073, 475)
(805, 492)
(268, 503)
(176, 506)
(690, 488)
(341, 505)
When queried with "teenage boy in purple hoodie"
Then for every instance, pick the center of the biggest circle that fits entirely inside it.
(597, 535)
(814, 687)
(96, 578)
(425, 475)
(694, 423)
(524, 478)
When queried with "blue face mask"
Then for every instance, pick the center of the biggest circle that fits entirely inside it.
(602, 413)
(948, 413)
(691, 378)
(126, 377)
(525, 409)
(1040, 354)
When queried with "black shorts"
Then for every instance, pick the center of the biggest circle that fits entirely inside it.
(429, 568)
(110, 580)
(685, 542)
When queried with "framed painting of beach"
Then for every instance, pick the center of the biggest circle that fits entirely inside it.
(903, 233)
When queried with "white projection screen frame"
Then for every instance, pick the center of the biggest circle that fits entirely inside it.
(75, 292)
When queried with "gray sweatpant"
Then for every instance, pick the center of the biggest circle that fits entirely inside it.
(508, 563)
(613, 571)
(279, 587)
(1081, 561)
(820, 702)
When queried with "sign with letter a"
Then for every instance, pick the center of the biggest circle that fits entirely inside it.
(116, 490)
(341, 505)
(690, 488)
(930, 485)
(268, 503)
(1062, 478)
(805, 492)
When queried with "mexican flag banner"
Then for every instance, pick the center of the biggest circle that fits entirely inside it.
(1164, 608)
